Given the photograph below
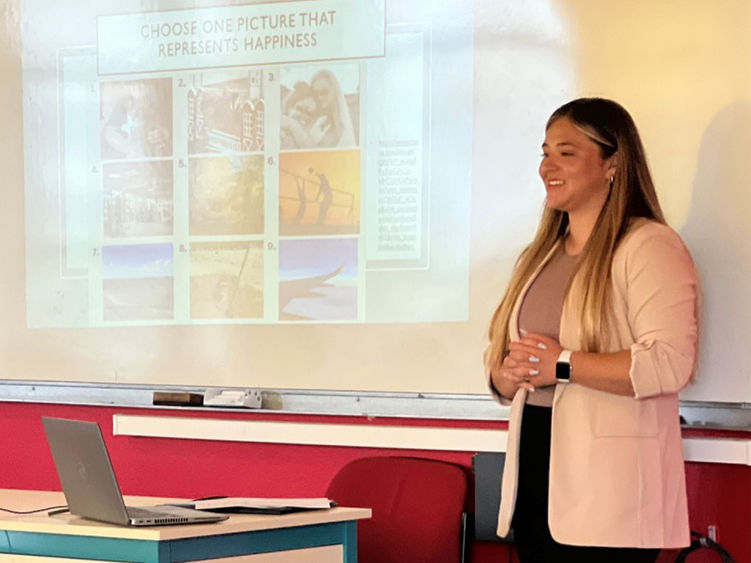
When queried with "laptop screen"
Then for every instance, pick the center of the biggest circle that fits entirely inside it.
(85, 470)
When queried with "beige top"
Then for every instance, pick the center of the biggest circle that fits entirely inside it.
(616, 463)
(541, 309)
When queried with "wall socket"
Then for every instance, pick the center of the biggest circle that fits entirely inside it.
(713, 533)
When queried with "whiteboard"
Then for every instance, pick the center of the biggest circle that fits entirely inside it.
(458, 95)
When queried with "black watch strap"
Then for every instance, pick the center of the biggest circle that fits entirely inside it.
(563, 367)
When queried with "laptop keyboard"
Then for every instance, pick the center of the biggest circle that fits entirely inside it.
(141, 512)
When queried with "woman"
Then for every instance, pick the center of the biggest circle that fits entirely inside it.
(594, 338)
(333, 127)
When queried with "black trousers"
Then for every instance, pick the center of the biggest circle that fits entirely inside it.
(531, 532)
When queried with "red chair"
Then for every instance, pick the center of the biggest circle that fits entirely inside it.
(417, 504)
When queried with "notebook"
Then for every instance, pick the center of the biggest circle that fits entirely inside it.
(89, 483)
(263, 505)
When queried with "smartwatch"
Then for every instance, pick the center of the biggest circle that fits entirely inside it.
(563, 367)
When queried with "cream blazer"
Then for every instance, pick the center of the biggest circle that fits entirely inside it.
(616, 463)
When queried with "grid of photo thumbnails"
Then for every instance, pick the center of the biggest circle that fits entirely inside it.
(193, 149)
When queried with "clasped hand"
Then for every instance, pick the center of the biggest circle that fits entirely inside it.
(530, 362)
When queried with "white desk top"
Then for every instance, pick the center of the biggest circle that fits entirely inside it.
(74, 525)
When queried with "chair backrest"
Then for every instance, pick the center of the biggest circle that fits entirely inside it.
(488, 472)
(417, 508)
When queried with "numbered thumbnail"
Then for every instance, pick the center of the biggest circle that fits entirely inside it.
(318, 280)
(138, 282)
(320, 107)
(226, 280)
(137, 199)
(226, 112)
(226, 195)
(319, 193)
(136, 118)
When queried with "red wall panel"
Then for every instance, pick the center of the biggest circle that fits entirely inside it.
(719, 494)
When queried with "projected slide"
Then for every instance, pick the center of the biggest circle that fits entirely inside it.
(215, 163)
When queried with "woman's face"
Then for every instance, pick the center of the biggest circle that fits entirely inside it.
(322, 92)
(576, 177)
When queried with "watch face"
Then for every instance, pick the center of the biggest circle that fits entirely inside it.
(563, 371)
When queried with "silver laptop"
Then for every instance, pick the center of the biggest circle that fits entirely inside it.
(89, 483)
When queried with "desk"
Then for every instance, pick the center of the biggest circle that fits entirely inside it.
(312, 536)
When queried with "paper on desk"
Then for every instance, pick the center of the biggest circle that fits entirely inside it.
(251, 502)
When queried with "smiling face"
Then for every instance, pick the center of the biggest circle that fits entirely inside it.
(322, 92)
(576, 177)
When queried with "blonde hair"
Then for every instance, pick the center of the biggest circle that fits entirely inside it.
(632, 195)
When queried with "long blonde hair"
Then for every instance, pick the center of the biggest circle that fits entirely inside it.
(632, 195)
